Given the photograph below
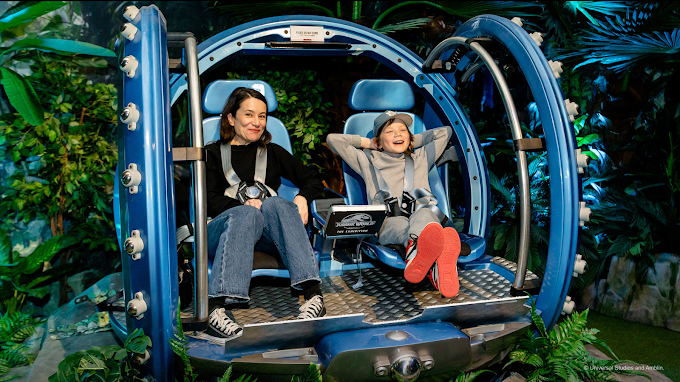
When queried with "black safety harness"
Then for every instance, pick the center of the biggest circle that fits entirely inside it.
(239, 189)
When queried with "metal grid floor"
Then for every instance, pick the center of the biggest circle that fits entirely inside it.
(383, 297)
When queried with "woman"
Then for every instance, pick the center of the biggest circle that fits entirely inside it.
(247, 222)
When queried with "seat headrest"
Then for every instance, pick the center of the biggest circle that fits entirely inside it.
(217, 93)
(381, 95)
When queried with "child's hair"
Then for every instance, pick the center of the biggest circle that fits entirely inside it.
(234, 102)
(409, 149)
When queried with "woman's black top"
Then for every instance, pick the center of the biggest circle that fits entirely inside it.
(280, 163)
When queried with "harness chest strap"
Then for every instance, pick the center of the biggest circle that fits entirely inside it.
(232, 177)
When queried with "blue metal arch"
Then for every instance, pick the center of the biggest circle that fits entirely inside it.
(151, 210)
(250, 38)
(561, 145)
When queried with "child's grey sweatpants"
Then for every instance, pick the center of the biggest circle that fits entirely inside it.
(397, 229)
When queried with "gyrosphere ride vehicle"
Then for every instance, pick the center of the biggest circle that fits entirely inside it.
(376, 328)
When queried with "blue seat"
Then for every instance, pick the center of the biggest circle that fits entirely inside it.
(381, 95)
(214, 98)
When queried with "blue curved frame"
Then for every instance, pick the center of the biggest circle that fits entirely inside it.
(561, 145)
(151, 210)
(250, 38)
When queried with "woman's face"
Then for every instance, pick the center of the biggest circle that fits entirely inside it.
(249, 121)
(395, 137)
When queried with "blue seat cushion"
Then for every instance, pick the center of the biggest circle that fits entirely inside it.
(217, 92)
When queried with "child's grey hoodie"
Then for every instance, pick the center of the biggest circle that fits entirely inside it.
(429, 146)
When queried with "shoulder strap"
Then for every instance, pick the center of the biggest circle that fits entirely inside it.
(383, 190)
(232, 177)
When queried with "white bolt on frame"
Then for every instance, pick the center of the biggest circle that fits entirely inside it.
(568, 306)
(134, 245)
(583, 213)
(556, 67)
(537, 37)
(517, 21)
(581, 161)
(579, 266)
(130, 12)
(130, 116)
(129, 65)
(572, 109)
(131, 178)
(137, 306)
(128, 31)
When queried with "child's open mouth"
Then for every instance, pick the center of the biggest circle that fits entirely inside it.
(398, 142)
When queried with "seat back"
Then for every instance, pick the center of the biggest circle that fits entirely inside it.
(383, 95)
(214, 98)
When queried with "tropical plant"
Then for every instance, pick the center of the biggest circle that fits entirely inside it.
(107, 363)
(560, 355)
(15, 328)
(63, 167)
(22, 277)
(13, 24)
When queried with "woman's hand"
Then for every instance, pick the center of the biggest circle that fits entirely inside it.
(257, 203)
(301, 203)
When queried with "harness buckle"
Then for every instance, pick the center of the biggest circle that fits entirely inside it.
(408, 204)
(255, 190)
(393, 206)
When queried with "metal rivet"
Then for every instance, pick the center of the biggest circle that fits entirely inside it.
(399, 60)
(285, 32)
(476, 207)
(457, 122)
(212, 58)
(375, 46)
(328, 33)
(238, 43)
(422, 77)
(474, 178)
(441, 98)
(468, 150)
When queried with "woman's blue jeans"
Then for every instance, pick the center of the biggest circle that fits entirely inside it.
(238, 231)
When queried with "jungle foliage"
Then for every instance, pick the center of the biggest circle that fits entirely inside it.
(108, 363)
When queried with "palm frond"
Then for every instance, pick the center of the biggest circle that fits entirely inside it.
(621, 52)
(609, 8)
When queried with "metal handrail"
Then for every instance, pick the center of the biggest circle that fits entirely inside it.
(199, 176)
(524, 192)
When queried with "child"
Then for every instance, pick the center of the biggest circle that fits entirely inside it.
(383, 163)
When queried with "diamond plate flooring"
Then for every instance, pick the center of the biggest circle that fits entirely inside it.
(384, 296)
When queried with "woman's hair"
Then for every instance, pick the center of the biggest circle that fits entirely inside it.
(409, 149)
(233, 104)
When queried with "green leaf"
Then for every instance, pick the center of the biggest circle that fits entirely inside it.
(45, 252)
(5, 248)
(20, 16)
(61, 46)
(22, 96)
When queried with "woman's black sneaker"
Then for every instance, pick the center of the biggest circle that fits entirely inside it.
(313, 308)
(221, 323)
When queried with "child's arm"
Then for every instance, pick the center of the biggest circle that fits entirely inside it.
(349, 148)
(434, 141)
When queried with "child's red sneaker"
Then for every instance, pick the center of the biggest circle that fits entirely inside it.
(422, 251)
(444, 273)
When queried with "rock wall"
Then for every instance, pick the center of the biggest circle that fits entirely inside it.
(655, 301)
